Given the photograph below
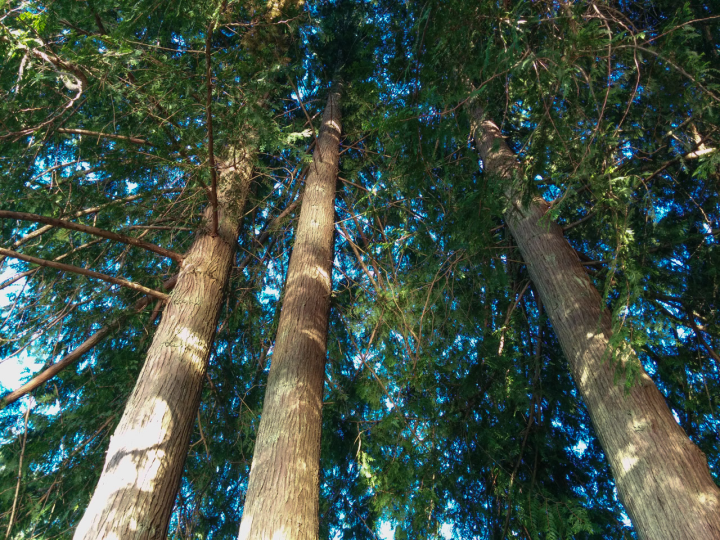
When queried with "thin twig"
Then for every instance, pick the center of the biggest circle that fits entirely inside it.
(208, 111)
(580, 221)
(507, 317)
(202, 436)
(359, 258)
(17, 487)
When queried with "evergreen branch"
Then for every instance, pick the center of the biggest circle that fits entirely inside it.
(78, 352)
(678, 27)
(82, 271)
(79, 213)
(674, 65)
(24, 216)
(98, 134)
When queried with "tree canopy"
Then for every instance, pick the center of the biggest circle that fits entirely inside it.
(449, 410)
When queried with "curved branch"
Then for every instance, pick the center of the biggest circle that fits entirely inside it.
(84, 272)
(92, 230)
(79, 213)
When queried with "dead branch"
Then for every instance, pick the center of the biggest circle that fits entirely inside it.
(208, 111)
(79, 213)
(19, 478)
(99, 135)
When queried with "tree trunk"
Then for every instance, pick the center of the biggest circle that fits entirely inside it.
(283, 490)
(136, 492)
(662, 478)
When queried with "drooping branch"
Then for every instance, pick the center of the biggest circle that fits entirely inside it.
(24, 216)
(84, 272)
(79, 351)
(79, 213)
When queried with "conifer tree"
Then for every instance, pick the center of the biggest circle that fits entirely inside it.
(282, 498)
(447, 404)
(136, 491)
(662, 477)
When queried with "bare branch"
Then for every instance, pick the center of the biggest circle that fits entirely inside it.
(359, 257)
(84, 272)
(79, 213)
(580, 221)
(92, 230)
(135, 140)
(17, 488)
(56, 368)
(271, 227)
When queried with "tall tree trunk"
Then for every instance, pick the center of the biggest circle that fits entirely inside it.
(662, 477)
(136, 492)
(283, 491)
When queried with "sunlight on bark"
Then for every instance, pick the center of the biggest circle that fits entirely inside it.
(193, 347)
(246, 525)
(133, 462)
(314, 335)
(628, 459)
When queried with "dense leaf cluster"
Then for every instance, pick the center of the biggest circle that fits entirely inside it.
(449, 409)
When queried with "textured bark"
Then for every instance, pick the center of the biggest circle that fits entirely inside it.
(136, 492)
(283, 493)
(662, 478)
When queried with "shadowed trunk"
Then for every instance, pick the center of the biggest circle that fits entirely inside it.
(662, 478)
(136, 492)
(283, 495)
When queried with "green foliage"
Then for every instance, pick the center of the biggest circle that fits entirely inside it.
(448, 401)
